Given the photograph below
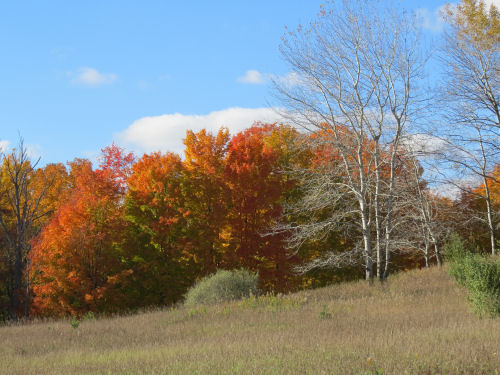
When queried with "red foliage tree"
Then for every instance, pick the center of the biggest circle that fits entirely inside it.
(256, 191)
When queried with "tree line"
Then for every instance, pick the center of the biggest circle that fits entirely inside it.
(335, 193)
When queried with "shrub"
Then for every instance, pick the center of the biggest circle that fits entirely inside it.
(222, 286)
(482, 279)
(478, 273)
(456, 254)
(75, 322)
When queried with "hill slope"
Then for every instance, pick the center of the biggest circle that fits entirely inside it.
(418, 322)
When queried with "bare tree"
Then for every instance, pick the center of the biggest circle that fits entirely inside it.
(326, 205)
(356, 69)
(425, 203)
(472, 94)
(21, 210)
(474, 152)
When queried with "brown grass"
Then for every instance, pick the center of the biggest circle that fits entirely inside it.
(417, 323)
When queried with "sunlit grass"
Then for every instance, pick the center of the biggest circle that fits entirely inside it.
(417, 323)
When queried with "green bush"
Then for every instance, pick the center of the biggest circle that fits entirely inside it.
(482, 279)
(478, 273)
(223, 286)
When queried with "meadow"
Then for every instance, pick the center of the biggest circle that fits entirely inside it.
(418, 322)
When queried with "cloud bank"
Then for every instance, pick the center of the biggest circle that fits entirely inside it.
(166, 132)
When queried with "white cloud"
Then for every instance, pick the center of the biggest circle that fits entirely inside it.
(455, 186)
(34, 151)
(425, 145)
(431, 20)
(447, 190)
(288, 80)
(165, 132)
(4, 145)
(253, 77)
(92, 77)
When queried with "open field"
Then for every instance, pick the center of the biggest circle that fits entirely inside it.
(417, 323)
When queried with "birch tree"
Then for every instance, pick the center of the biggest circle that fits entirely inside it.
(356, 69)
(471, 54)
(427, 208)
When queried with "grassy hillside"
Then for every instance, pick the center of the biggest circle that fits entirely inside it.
(417, 323)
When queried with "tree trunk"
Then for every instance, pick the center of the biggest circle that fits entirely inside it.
(491, 224)
(426, 252)
(388, 222)
(367, 243)
(15, 296)
(378, 225)
(439, 259)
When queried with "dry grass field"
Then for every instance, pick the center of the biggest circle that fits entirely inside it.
(417, 323)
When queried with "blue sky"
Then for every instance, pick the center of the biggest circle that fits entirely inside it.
(76, 76)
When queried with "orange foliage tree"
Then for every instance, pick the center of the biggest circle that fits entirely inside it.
(206, 196)
(209, 211)
(161, 254)
(77, 256)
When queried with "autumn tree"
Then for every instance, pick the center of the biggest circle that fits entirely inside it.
(206, 195)
(78, 255)
(164, 258)
(24, 197)
(256, 189)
